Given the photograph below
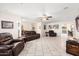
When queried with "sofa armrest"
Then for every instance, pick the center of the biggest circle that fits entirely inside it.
(17, 40)
(20, 39)
(37, 33)
(18, 46)
(56, 33)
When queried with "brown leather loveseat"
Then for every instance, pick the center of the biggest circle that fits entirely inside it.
(10, 46)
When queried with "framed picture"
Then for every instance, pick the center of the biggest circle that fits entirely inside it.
(64, 30)
(56, 26)
(50, 26)
(77, 23)
(7, 25)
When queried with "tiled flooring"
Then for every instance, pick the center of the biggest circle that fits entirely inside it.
(47, 46)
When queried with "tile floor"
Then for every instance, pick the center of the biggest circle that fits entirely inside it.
(47, 46)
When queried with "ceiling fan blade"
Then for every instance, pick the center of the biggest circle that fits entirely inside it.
(49, 16)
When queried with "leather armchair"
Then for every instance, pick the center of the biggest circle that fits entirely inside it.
(72, 47)
(5, 50)
(52, 33)
(10, 46)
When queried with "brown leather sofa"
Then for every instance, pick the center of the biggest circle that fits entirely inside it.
(52, 33)
(10, 46)
(31, 35)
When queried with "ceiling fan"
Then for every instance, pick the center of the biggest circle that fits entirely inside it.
(45, 17)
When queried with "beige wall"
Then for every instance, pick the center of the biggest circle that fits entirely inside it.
(27, 26)
(5, 16)
(59, 31)
(38, 27)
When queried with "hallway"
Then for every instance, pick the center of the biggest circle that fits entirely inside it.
(47, 46)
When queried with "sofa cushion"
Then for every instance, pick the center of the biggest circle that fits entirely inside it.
(6, 42)
(28, 33)
(4, 48)
(33, 32)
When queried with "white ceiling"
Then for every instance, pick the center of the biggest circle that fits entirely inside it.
(34, 10)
